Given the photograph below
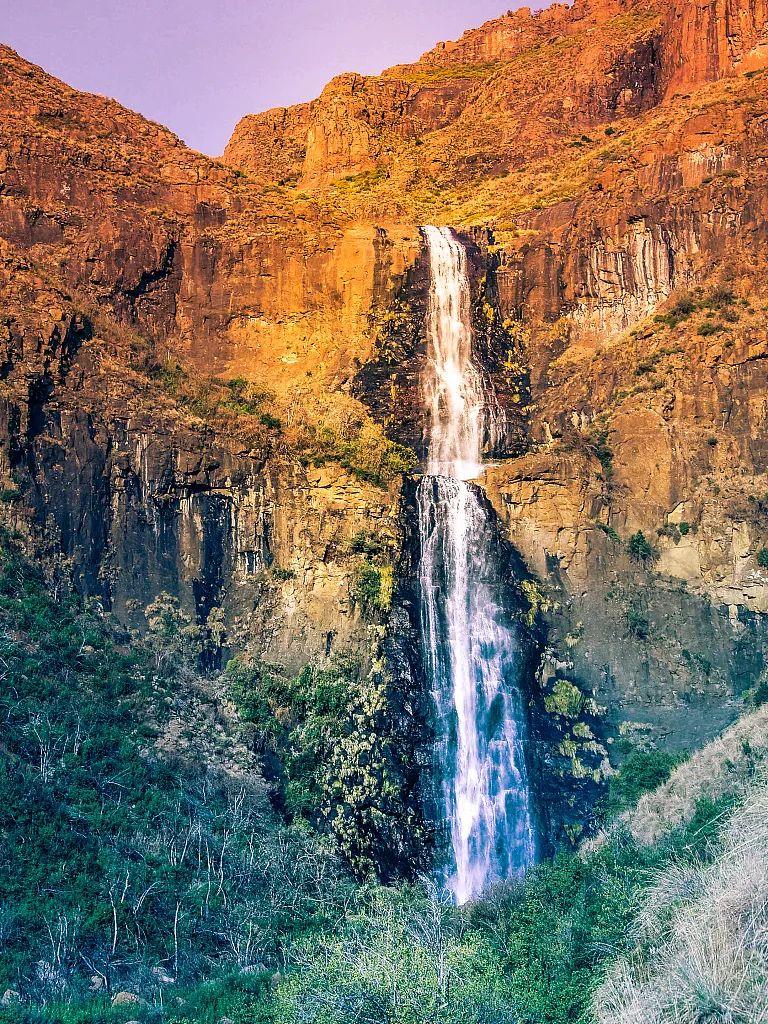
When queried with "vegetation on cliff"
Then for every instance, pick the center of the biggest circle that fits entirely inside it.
(136, 886)
(329, 736)
(120, 868)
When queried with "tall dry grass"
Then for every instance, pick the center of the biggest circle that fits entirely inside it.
(701, 936)
(724, 767)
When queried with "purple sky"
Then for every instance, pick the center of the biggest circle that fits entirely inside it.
(198, 65)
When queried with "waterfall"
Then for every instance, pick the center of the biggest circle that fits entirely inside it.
(471, 648)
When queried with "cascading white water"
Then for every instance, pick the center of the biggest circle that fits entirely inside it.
(471, 649)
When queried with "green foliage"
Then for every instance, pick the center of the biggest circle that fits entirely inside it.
(683, 308)
(640, 549)
(368, 455)
(599, 443)
(447, 72)
(641, 772)
(529, 953)
(719, 299)
(707, 328)
(697, 661)
(408, 958)
(762, 558)
(332, 734)
(164, 878)
(566, 700)
(178, 645)
(359, 184)
(538, 603)
(638, 624)
(247, 400)
(235, 404)
(365, 543)
(282, 575)
(609, 531)
(374, 587)
(670, 530)
(113, 861)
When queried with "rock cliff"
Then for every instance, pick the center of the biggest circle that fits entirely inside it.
(208, 365)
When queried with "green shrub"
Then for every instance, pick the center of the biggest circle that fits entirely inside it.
(637, 623)
(719, 298)
(670, 530)
(270, 421)
(762, 558)
(684, 306)
(609, 531)
(679, 311)
(282, 575)
(365, 543)
(374, 587)
(640, 549)
(641, 772)
(708, 327)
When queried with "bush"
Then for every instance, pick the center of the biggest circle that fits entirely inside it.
(684, 306)
(609, 532)
(365, 543)
(641, 772)
(762, 558)
(637, 623)
(708, 327)
(719, 298)
(374, 587)
(681, 310)
(670, 530)
(236, 405)
(640, 549)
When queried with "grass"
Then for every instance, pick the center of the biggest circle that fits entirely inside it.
(446, 73)
(724, 767)
(699, 950)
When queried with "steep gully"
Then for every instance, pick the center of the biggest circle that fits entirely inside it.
(471, 655)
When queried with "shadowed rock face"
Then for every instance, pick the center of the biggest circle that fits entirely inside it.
(599, 162)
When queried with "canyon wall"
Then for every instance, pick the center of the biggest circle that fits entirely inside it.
(604, 165)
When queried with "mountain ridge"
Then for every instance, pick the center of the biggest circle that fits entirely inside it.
(224, 370)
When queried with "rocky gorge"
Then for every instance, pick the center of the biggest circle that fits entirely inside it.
(210, 373)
